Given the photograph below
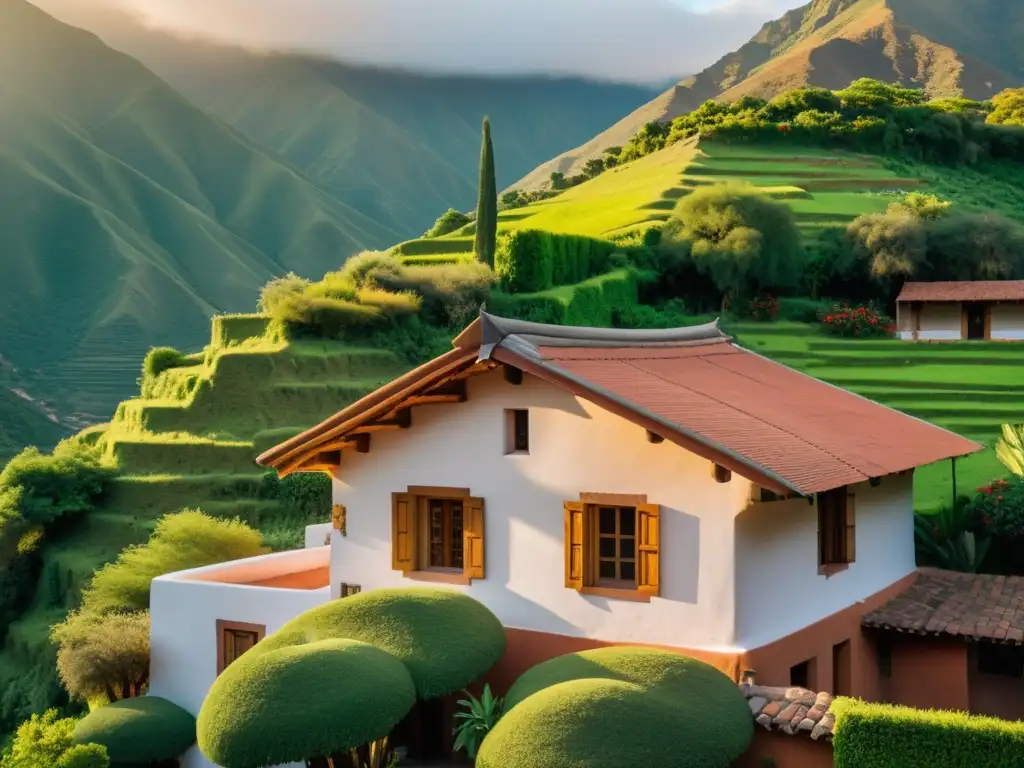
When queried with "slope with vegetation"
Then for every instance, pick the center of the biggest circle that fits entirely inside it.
(134, 215)
(947, 49)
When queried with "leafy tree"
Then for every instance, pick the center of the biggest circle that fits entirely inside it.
(278, 291)
(593, 167)
(557, 180)
(47, 741)
(448, 222)
(104, 655)
(1008, 108)
(928, 207)
(975, 246)
(741, 239)
(895, 245)
(188, 539)
(487, 202)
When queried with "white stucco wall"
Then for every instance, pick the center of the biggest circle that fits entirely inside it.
(779, 590)
(574, 447)
(941, 322)
(1007, 322)
(184, 609)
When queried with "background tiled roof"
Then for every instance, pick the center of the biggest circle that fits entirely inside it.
(967, 605)
(970, 290)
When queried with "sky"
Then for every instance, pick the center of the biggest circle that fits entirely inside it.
(627, 40)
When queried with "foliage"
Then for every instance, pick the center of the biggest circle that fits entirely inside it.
(446, 639)
(921, 206)
(945, 540)
(764, 308)
(279, 291)
(448, 222)
(477, 719)
(138, 731)
(888, 736)
(741, 239)
(530, 260)
(306, 494)
(519, 198)
(1010, 448)
(104, 655)
(600, 708)
(156, 361)
(38, 489)
(859, 321)
(802, 310)
(998, 508)
(1008, 108)
(47, 741)
(188, 539)
(487, 201)
(259, 710)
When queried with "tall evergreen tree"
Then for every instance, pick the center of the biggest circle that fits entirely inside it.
(487, 202)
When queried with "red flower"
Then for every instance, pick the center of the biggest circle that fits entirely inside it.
(986, 520)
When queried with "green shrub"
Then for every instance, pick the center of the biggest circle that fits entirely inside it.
(388, 302)
(329, 317)
(322, 697)
(160, 359)
(600, 708)
(103, 655)
(188, 539)
(535, 309)
(434, 247)
(446, 639)
(523, 261)
(859, 321)
(306, 494)
(278, 291)
(138, 731)
(447, 223)
(234, 329)
(887, 736)
(47, 741)
(800, 310)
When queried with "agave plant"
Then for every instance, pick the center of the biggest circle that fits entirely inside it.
(944, 540)
(477, 719)
(1010, 448)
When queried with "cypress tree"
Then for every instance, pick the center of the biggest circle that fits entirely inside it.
(487, 202)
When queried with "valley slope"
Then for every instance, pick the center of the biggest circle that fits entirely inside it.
(946, 47)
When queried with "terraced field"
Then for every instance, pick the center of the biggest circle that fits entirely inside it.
(970, 388)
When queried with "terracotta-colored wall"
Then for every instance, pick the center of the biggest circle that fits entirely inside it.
(817, 643)
(926, 673)
(995, 695)
(786, 751)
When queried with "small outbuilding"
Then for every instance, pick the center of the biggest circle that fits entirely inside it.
(978, 310)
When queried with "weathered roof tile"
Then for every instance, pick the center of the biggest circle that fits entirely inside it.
(792, 711)
(967, 290)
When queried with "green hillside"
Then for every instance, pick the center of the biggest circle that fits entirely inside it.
(132, 215)
(398, 146)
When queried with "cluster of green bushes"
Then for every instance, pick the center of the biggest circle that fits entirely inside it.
(886, 736)
(520, 198)
(48, 741)
(448, 222)
(375, 291)
(529, 260)
(598, 302)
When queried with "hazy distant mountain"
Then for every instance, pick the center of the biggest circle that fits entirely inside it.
(947, 47)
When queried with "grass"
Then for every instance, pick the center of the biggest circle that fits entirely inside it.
(970, 388)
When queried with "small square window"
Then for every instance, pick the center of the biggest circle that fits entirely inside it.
(517, 431)
(1004, 660)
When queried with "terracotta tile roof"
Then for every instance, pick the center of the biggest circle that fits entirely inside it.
(968, 290)
(777, 427)
(791, 710)
(967, 605)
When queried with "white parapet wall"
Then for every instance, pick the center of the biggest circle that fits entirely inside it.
(186, 606)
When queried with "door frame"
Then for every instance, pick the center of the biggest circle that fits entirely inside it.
(965, 325)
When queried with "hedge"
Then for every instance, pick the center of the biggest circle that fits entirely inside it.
(529, 260)
(888, 736)
(138, 731)
(434, 246)
(620, 707)
(233, 329)
(594, 303)
(294, 703)
(446, 639)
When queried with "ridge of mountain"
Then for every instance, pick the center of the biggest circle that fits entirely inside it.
(948, 48)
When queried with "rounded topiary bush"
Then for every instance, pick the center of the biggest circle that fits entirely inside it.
(138, 731)
(620, 708)
(446, 639)
(289, 704)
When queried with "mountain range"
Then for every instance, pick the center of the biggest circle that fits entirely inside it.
(947, 47)
(132, 211)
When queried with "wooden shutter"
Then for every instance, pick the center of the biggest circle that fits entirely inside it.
(403, 532)
(338, 518)
(851, 528)
(648, 520)
(473, 538)
(574, 544)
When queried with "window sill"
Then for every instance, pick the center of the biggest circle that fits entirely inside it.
(630, 595)
(439, 577)
(517, 453)
(832, 569)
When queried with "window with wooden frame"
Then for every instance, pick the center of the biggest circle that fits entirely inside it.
(837, 535)
(235, 638)
(612, 546)
(438, 534)
(517, 431)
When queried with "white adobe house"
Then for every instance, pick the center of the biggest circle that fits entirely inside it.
(978, 310)
(592, 487)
